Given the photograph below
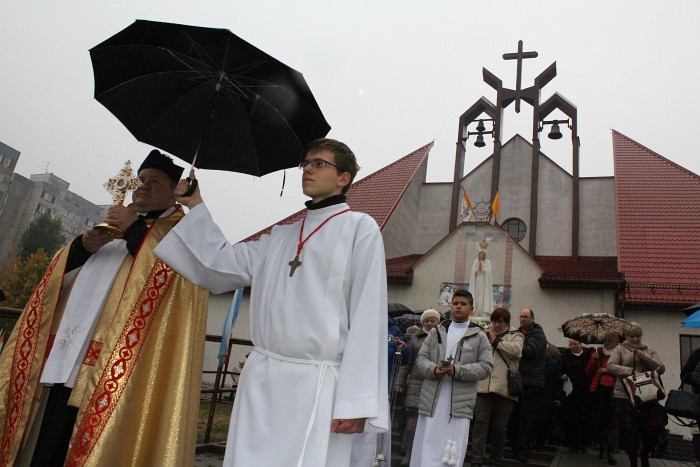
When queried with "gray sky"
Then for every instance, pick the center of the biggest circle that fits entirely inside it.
(389, 75)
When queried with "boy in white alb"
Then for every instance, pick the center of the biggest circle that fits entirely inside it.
(454, 357)
(318, 372)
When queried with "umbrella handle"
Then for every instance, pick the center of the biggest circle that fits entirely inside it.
(193, 186)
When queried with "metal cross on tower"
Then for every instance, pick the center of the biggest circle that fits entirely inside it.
(519, 56)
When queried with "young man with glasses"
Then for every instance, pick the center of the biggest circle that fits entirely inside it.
(318, 372)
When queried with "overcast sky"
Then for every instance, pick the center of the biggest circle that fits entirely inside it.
(390, 76)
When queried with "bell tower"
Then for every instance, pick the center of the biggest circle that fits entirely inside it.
(484, 111)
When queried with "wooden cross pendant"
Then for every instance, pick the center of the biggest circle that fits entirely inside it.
(294, 264)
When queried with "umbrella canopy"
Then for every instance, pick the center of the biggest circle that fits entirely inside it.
(691, 309)
(589, 328)
(207, 97)
(398, 309)
(692, 321)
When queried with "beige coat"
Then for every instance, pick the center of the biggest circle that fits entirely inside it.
(510, 347)
(620, 365)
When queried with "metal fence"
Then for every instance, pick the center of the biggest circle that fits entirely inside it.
(220, 389)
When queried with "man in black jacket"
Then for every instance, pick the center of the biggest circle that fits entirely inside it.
(532, 371)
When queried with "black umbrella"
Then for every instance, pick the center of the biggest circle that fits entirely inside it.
(207, 97)
(590, 328)
(398, 309)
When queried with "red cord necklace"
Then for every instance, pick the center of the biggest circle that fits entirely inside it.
(295, 263)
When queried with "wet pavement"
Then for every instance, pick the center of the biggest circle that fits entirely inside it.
(214, 456)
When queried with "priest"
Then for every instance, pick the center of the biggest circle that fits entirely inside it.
(83, 378)
(318, 371)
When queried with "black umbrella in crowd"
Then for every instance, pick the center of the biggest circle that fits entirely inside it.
(589, 328)
(207, 97)
(398, 309)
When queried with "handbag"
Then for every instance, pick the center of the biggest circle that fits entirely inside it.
(682, 404)
(515, 379)
(644, 387)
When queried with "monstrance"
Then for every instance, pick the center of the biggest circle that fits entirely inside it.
(118, 186)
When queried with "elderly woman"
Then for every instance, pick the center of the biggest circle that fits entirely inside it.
(633, 356)
(409, 381)
(493, 402)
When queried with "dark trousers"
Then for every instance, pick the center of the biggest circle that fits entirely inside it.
(576, 410)
(56, 429)
(491, 414)
(526, 425)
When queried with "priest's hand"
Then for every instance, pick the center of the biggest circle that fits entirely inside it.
(121, 217)
(94, 239)
(192, 199)
(349, 426)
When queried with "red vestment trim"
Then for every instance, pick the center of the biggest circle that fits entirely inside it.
(120, 367)
(25, 359)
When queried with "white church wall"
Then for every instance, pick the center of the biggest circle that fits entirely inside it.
(434, 269)
(400, 231)
(554, 210)
(598, 227)
(477, 184)
(515, 181)
(434, 216)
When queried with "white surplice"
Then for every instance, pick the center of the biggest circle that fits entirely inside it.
(92, 285)
(320, 335)
(434, 433)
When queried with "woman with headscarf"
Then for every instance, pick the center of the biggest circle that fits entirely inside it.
(644, 421)
(409, 381)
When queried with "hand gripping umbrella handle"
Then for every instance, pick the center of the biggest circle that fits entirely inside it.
(193, 186)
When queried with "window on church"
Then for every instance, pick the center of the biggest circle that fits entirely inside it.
(515, 227)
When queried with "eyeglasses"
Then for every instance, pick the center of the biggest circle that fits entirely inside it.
(317, 164)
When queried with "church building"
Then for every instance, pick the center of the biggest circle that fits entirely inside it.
(553, 241)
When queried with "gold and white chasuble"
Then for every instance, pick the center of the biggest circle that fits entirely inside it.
(138, 387)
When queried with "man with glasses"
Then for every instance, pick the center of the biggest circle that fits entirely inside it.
(532, 371)
(318, 372)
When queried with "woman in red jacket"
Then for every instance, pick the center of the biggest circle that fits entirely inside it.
(602, 387)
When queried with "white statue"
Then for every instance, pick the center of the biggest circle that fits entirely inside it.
(481, 285)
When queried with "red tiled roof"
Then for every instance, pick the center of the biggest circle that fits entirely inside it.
(377, 194)
(584, 270)
(400, 270)
(658, 224)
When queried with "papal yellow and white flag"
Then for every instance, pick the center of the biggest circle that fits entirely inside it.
(496, 205)
(466, 198)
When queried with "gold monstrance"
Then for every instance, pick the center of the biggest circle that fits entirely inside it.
(118, 187)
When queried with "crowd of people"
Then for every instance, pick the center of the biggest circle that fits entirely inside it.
(77, 373)
(572, 397)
